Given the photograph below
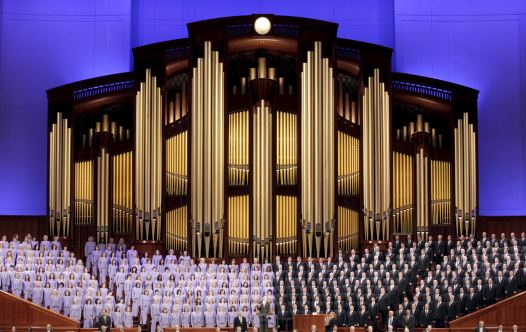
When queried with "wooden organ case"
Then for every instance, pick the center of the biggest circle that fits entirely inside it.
(231, 143)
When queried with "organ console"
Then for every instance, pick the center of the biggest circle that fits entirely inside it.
(232, 143)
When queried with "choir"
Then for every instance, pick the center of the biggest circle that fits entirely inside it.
(411, 283)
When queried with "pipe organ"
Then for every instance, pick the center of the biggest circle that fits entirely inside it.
(262, 200)
(84, 201)
(376, 159)
(59, 176)
(348, 165)
(177, 228)
(465, 175)
(207, 152)
(286, 146)
(122, 192)
(440, 192)
(348, 228)
(313, 146)
(148, 111)
(177, 164)
(317, 183)
(238, 230)
(239, 153)
(403, 207)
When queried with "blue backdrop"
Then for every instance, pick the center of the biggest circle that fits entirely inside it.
(481, 44)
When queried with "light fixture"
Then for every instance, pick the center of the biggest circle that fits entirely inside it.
(262, 25)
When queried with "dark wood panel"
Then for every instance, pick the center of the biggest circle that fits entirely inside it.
(21, 225)
(501, 224)
(21, 313)
(149, 247)
(509, 311)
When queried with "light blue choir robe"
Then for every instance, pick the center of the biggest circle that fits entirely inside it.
(175, 318)
(231, 316)
(185, 319)
(38, 295)
(145, 308)
(88, 250)
(118, 319)
(210, 318)
(128, 319)
(222, 319)
(27, 289)
(164, 320)
(197, 318)
(89, 315)
(120, 278)
(56, 303)
(47, 296)
(16, 286)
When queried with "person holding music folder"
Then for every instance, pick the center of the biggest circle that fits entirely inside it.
(264, 313)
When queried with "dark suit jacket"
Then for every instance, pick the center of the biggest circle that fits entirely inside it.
(483, 330)
(104, 321)
(240, 322)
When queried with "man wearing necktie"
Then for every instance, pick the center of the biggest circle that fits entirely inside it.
(240, 322)
(391, 320)
(104, 320)
(264, 312)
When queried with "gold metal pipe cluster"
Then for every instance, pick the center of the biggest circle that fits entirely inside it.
(403, 193)
(177, 164)
(348, 165)
(262, 200)
(177, 228)
(122, 193)
(177, 107)
(286, 148)
(84, 199)
(440, 192)
(286, 221)
(148, 165)
(348, 224)
(465, 176)
(376, 158)
(238, 225)
(346, 106)
(317, 152)
(103, 167)
(207, 154)
(422, 193)
(59, 177)
(238, 148)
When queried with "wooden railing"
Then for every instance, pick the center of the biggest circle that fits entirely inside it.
(18, 312)
(507, 312)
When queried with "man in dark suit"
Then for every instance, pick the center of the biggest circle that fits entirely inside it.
(331, 322)
(341, 316)
(391, 320)
(481, 327)
(104, 321)
(283, 317)
(426, 316)
(241, 322)
(264, 314)
(363, 316)
(409, 321)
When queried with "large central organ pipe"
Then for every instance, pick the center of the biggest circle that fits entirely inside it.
(207, 156)
(376, 160)
(317, 153)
